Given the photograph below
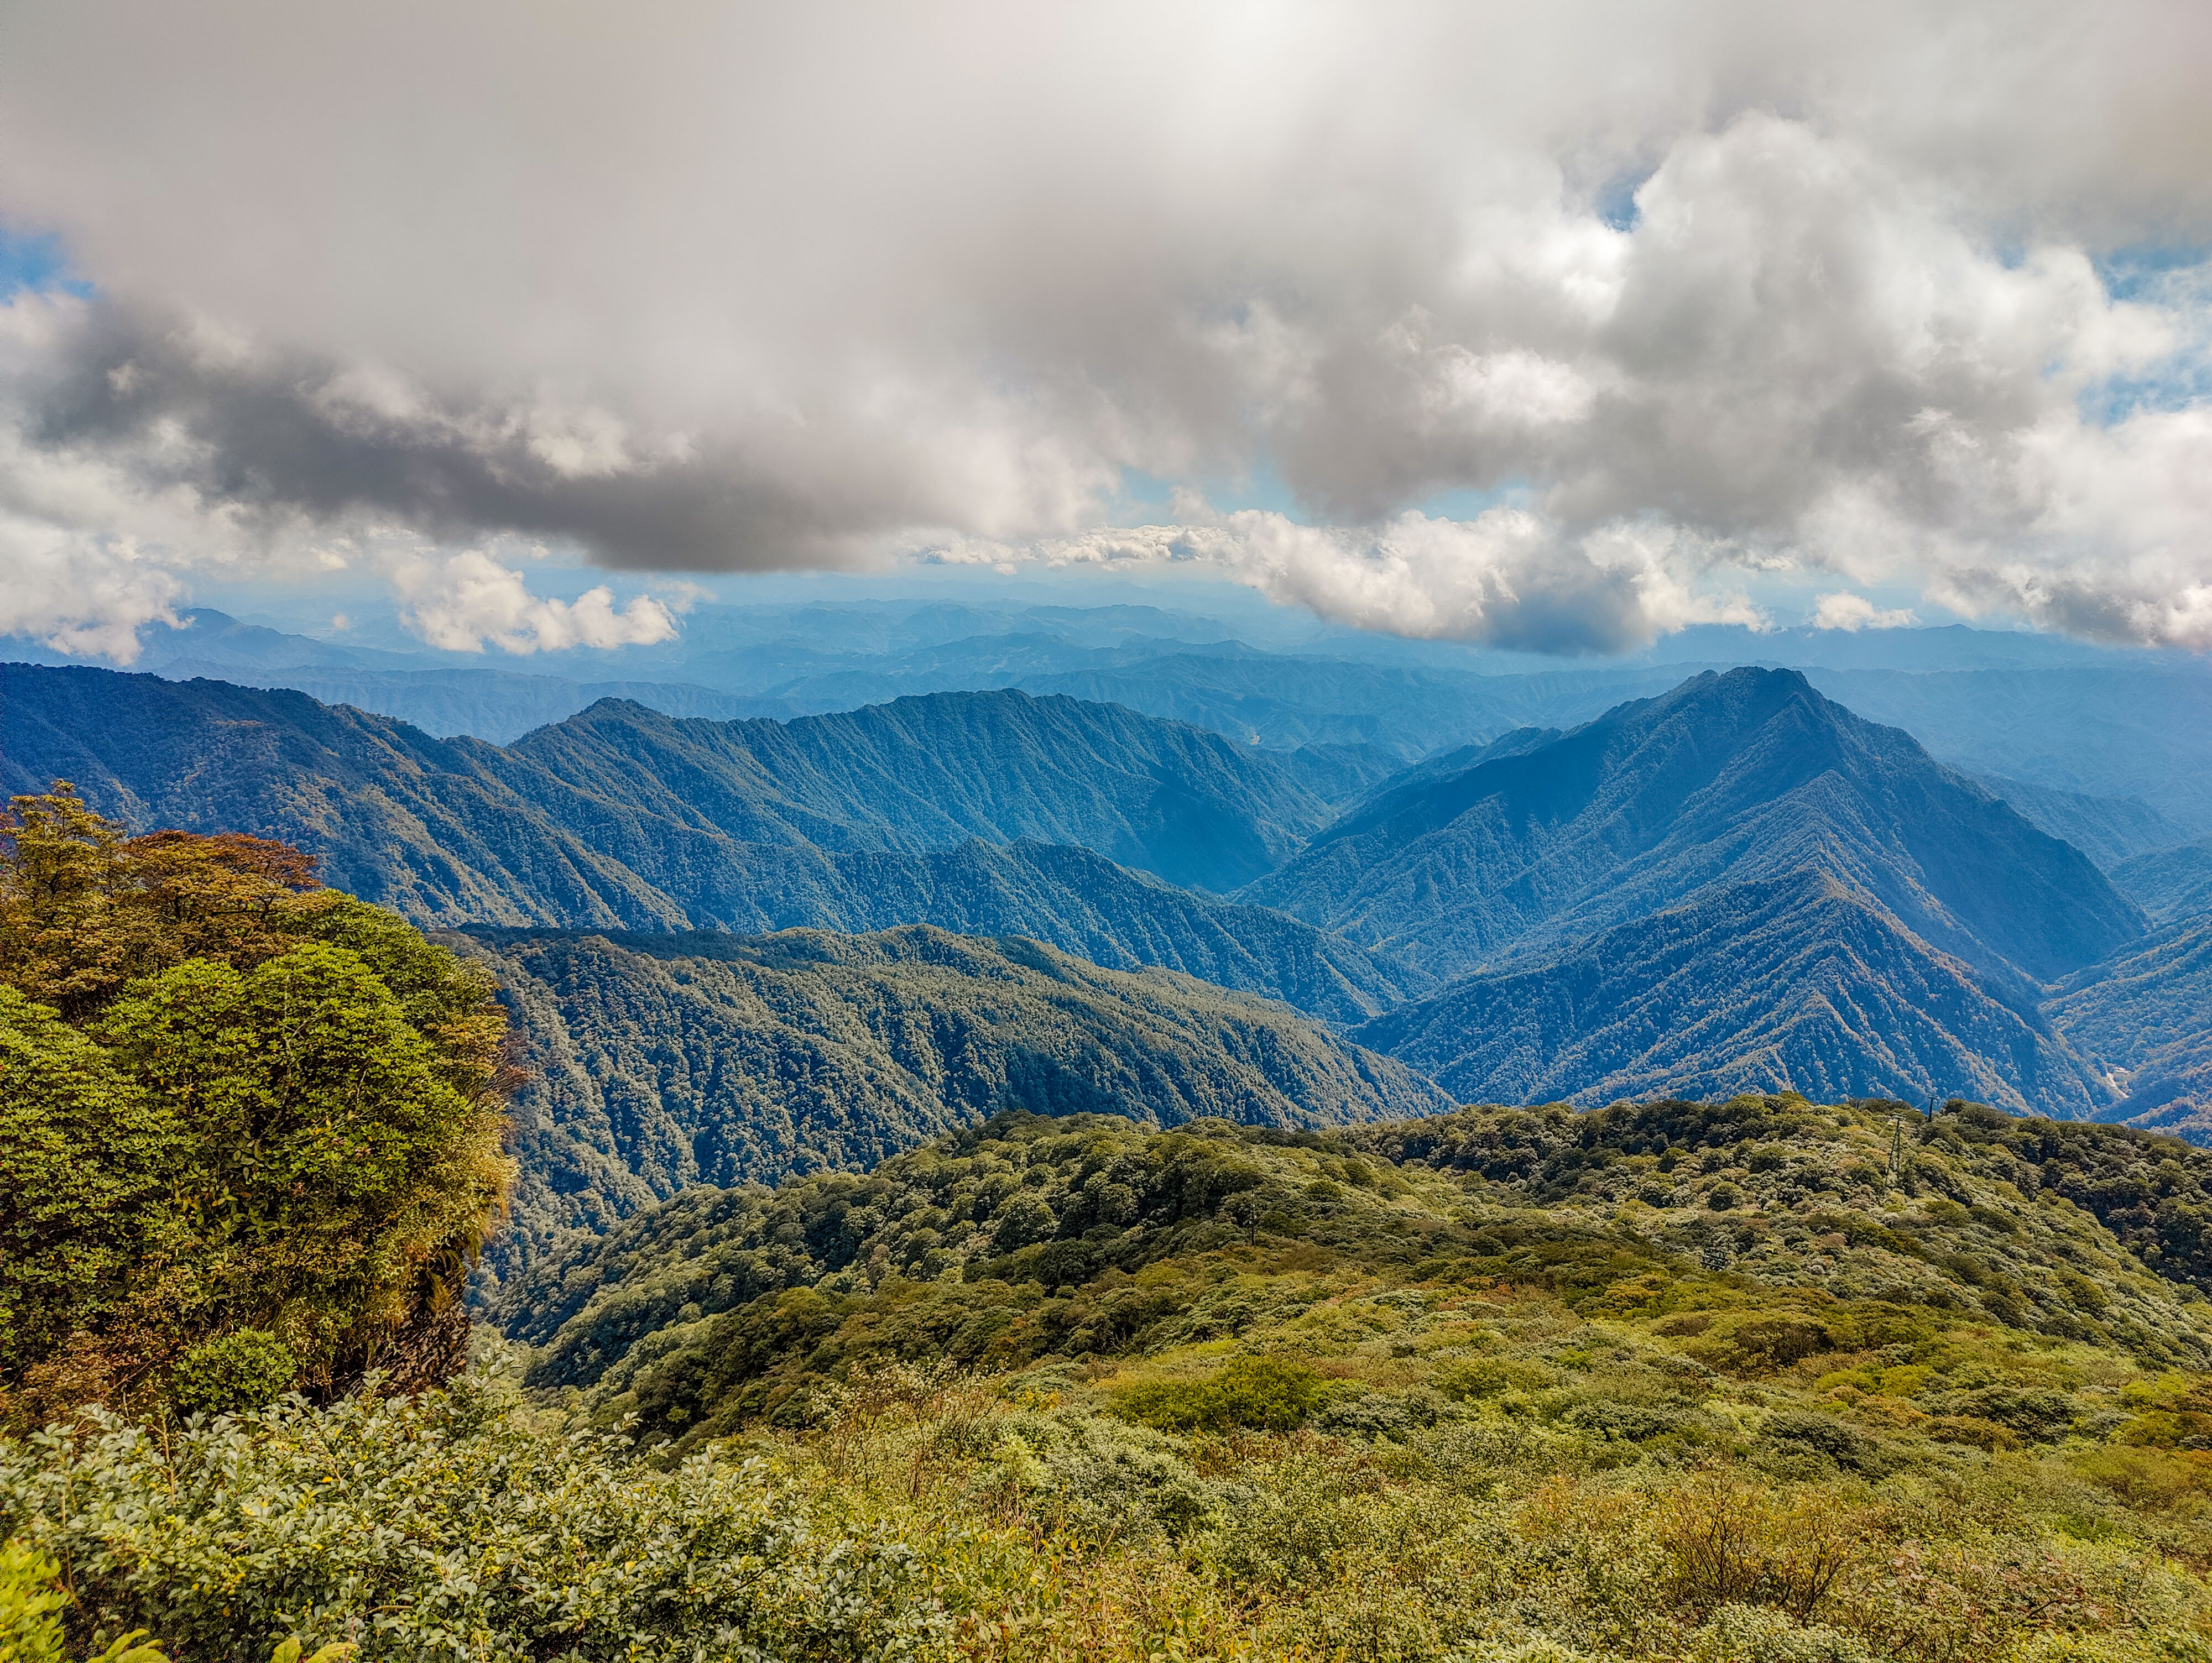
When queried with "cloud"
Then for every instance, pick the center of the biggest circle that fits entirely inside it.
(759, 287)
(1505, 579)
(469, 598)
(81, 596)
(1852, 613)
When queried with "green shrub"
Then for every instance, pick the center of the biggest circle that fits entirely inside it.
(450, 1525)
(1751, 1634)
(1486, 1377)
(244, 1369)
(1268, 1394)
(31, 1601)
(30, 1605)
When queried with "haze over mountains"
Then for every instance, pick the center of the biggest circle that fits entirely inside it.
(2035, 713)
(1580, 884)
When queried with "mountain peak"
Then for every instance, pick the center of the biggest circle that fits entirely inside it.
(1732, 774)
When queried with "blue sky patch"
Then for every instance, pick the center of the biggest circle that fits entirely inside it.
(36, 262)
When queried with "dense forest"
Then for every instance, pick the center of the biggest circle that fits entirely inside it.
(659, 1061)
(1738, 885)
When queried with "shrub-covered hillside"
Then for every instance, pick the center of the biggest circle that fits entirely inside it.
(1089, 1239)
(1763, 1381)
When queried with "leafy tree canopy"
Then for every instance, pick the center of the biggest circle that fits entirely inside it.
(249, 1127)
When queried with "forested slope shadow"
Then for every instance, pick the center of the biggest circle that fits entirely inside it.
(660, 1061)
(1793, 983)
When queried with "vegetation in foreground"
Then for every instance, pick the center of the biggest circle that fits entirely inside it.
(1669, 1382)
(249, 1127)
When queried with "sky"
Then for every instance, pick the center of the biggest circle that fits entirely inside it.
(1553, 328)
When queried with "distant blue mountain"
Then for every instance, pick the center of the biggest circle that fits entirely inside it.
(498, 705)
(1729, 778)
(2127, 730)
(934, 810)
(216, 638)
(2040, 711)
(2171, 884)
(1798, 982)
(2110, 830)
(1938, 647)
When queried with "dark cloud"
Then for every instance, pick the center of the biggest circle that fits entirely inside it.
(1690, 287)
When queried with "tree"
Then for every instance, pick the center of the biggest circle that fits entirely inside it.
(84, 1152)
(83, 908)
(249, 1127)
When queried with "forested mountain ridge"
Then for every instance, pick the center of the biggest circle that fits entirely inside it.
(2110, 830)
(1025, 1239)
(933, 771)
(1730, 777)
(2146, 1015)
(1796, 982)
(616, 820)
(659, 1061)
(2169, 883)
(924, 774)
(1613, 886)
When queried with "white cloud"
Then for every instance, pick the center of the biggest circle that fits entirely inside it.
(758, 286)
(465, 600)
(84, 595)
(1506, 578)
(1852, 613)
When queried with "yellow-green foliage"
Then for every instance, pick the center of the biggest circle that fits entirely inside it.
(251, 1143)
(31, 1601)
(1266, 1393)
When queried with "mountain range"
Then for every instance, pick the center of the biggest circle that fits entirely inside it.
(1735, 884)
(2035, 712)
(1799, 982)
(1545, 837)
(2146, 1016)
(2139, 730)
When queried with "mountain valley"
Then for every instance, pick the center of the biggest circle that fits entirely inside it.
(662, 1061)
(1735, 885)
